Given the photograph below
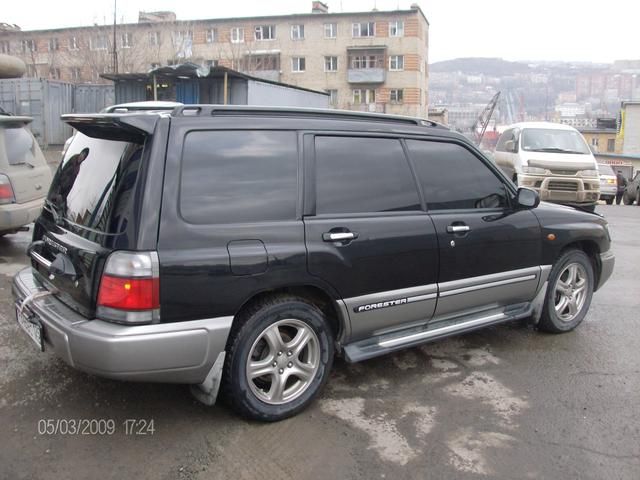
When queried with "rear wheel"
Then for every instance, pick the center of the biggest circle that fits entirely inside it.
(569, 293)
(278, 359)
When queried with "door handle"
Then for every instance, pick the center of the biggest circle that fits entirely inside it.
(458, 228)
(339, 236)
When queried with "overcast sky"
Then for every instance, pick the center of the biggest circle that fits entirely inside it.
(577, 30)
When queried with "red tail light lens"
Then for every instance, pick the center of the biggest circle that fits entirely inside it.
(6, 191)
(129, 293)
(130, 288)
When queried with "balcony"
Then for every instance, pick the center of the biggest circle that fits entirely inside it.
(366, 65)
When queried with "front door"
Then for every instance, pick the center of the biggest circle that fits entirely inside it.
(367, 234)
(489, 252)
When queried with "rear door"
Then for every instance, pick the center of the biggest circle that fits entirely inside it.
(366, 232)
(90, 210)
(489, 252)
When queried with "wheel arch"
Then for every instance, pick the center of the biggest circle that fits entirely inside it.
(592, 250)
(336, 315)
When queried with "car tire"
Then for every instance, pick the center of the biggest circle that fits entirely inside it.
(286, 338)
(609, 201)
(569, 293)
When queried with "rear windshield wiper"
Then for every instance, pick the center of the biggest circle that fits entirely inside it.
(52, 209)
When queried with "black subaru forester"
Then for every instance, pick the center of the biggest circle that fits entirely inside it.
(240, 248)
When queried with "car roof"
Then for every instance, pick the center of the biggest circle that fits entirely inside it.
(547, 125)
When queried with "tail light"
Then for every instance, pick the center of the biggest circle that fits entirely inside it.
(6, 190)
(130, 288)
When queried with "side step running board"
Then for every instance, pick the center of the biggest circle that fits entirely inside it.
(382, 345)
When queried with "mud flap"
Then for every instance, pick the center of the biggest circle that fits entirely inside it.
(207, 391)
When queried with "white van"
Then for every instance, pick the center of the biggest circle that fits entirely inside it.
(552, 159)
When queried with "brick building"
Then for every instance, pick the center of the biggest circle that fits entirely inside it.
(374, 61)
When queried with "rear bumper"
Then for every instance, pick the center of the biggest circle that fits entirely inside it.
(180, 352)
(15, 215)
(607, 262)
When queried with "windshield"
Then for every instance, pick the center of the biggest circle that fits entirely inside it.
(94, 176)
(553, 140)
(605, 169)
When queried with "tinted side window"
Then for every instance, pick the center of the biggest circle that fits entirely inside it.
(358, 175)
(507, 135)
(452, 177)
(239, 176)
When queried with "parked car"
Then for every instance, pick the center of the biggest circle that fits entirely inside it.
(552, 159)
(632, 190)
(608, 183)
(24, 174)
(243, 247)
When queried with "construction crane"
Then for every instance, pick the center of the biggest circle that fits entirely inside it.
(480, 126)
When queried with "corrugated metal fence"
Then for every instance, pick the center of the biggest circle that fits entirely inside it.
(46, 100)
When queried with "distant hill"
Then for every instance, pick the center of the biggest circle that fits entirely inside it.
(475, 66)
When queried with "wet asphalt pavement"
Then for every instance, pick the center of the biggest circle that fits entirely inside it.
(505, 402)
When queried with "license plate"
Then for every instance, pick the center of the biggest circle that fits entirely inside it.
(32, 327)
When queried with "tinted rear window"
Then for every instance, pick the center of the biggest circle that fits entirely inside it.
(239, 176)
(19, 145)
(94, 182)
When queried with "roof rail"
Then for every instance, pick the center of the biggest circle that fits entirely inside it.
(202, 110)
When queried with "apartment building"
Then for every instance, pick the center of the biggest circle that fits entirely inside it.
(372, 61)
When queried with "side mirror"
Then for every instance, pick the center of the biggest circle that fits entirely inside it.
(510, 146)
(527, 198)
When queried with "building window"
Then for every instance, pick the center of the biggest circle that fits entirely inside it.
(212, 35)
(611, 145)
(74, 44)
(265, 32)
(32, 71)
(366, 60)
(396, 62)
(182, 38)
(99, 42)
(298, 64)
(126, 40)
(237, 35)
(333, 97)
(594, 141)
(5, 47)
(52, 45)
(211, 63)
(330, 30)
(75, 74)
(154, 39)
(29, 46)
(54, 73)
(259, 63)
(396, 95)
(396, 29)
(297, 32)
(366, 96)
(366, 29)
(330, 64)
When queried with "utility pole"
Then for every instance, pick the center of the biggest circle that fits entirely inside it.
(115, 48)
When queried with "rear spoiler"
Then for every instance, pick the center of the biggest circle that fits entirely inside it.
(13, 121)
(131, 127)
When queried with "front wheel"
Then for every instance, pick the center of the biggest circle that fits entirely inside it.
(278, 360)
(569, 293)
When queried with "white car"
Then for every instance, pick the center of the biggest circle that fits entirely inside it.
(552, 159)
(608, 183)
(24, 174)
